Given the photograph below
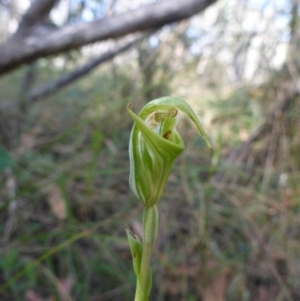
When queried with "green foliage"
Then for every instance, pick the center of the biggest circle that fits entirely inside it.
(10, 264)
(5, 159)
(136, 249)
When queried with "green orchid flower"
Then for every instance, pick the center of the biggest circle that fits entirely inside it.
(155, 144)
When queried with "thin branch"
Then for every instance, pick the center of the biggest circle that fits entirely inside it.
(16, 52)
(37, 11)
(66, 79)
(28, 79)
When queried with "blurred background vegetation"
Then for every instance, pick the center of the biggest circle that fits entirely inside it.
(230, 218)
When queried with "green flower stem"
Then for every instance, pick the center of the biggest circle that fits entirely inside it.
(139, 293)
(153, 147)
(150, 224)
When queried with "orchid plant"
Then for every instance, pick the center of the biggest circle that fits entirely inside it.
(154, 145)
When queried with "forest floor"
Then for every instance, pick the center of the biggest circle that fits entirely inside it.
(229, 222)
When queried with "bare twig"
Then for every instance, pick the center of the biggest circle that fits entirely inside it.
(36, 13)
(27, 83)
(11, 188)
(56, 84)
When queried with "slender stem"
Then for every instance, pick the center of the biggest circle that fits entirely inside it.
(150, 223)
(146, 257)
(139, 294)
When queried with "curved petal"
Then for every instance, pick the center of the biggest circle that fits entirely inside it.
(170, 102)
